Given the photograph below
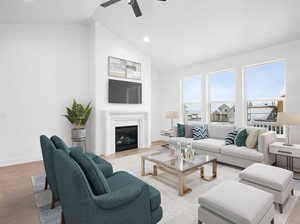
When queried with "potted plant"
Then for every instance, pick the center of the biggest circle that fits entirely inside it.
(78, 115)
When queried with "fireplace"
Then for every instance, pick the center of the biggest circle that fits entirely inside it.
(126, 138)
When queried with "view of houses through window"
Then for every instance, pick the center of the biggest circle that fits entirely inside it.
(222, 96)
(264, 88)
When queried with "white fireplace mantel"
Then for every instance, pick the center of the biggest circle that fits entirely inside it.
(115, 119)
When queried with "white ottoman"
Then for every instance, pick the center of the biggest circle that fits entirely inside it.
(232, 202)
(272, 179)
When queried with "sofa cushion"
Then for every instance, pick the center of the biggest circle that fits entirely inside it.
(180, 130)
(175, 140)
(269, 176)
(209, 144)
(242, 152)
(241, 137)
(188, 129)
(200, 132)
(94, 175)
(251, 141)
(121, 179)
(219, 131)
(244, 209)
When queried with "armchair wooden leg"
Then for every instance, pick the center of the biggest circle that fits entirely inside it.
(54, 200)
(280, 208)
(46, 184)
(62, 218)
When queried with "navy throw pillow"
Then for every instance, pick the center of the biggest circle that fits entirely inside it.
(200, 132)
(230, 137)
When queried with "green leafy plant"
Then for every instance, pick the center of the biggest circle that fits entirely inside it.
(78, 114)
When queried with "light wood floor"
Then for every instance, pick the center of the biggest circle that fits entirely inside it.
(16, 199)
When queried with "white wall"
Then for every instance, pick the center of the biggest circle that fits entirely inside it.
(170, 94)
(155, 105)
(42, 68)
(108, 44)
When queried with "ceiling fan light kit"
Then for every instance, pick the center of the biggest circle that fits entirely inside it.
(133, 3)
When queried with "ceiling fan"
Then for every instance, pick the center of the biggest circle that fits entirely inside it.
(134, 4)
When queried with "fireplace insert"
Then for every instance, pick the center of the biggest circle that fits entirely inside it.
(126, 138)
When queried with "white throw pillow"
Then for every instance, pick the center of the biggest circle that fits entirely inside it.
(251, 141)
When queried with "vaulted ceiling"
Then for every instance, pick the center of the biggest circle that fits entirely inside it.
(185, 32)
(182, 32)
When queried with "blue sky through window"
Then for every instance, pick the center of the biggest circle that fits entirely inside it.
(191, 89)
(222, 86)
(265, 81)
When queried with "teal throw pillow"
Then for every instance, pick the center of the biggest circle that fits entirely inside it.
(180, 130)
(94, 175)
(240, 139)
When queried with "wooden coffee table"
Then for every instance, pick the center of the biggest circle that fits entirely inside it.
(165, 160)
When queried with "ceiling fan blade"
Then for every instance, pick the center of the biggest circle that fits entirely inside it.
(136, 9)
(109, 3)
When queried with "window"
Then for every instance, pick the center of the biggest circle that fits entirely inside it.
(192, 98)
(265, 93)
(222, 96)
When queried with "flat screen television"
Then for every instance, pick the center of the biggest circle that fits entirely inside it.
(124, 92)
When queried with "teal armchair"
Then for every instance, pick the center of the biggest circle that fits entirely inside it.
(49, 147)
(87, 196)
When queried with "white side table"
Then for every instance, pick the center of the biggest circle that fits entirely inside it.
(290, 152)
(169, 134)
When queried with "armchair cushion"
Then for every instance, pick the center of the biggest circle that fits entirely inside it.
(94, 175)
(119, 197)
(102, 164)
(60, 144)
(121, 179)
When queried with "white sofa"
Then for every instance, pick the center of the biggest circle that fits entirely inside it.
(231, 154)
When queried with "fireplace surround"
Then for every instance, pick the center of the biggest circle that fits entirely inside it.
(114, 119)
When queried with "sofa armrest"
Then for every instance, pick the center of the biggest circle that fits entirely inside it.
(120, 197)
(264, 140)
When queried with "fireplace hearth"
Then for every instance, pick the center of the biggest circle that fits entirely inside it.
(126, 138)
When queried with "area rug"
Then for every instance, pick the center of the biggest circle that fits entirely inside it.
(176, 209)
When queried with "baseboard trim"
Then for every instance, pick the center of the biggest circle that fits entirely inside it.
(20, 160)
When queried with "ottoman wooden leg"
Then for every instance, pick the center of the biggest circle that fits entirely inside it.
(272, 221)
(199, 222)
(293, 192)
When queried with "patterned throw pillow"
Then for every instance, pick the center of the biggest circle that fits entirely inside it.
(230, 137)
(200, 132)
(240, 139)
(180, 130)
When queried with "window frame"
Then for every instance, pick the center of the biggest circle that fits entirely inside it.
(244, 85)
(182, 103)
(210, 102)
